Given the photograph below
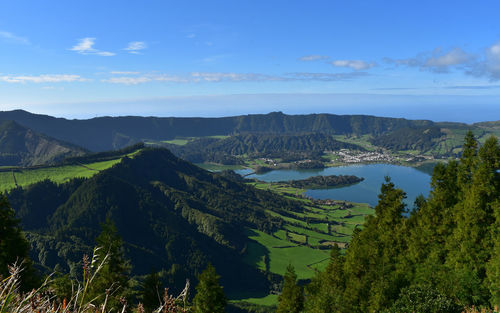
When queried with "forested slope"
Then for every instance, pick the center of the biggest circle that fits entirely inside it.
(20, 146)
(106, 133)
(283, 146)
(171, 215)
(443, 257)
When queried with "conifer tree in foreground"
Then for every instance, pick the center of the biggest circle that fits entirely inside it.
(442, 257)
(324, 292)
(151, 295)
(291, 299)
(114, 275)
(210, 296)
(14, 248)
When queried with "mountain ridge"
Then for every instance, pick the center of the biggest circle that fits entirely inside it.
(106, 133)
(21, 146)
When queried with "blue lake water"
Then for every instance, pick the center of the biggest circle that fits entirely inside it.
(412, 181)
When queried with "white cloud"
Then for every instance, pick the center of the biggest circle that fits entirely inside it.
(453, 57)
(124, 73)
(45, 78)
(85, 46)
(135, 46)
(13, 38)
(136, 80)
(489, 66)
(353, 64)
(326, 76)
(438, 61)
(314, 57)
(127, 80)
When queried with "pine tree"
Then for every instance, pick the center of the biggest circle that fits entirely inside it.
(373, 274)
(471, 244)
(209, 296)
(467, 160)
(291, 299)
(151, 292)
(114, 275)
(324, 292)
(14, 248)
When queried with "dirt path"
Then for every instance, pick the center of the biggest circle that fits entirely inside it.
(85, 166)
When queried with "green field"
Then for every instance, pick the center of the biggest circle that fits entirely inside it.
(304, 240)
(57, 174)
(218, 167)
(181, 141)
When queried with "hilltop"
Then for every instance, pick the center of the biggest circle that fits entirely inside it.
(21, 146)
(106, 133)
(176, 217)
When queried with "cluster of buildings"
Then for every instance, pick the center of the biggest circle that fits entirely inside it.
(349, 156)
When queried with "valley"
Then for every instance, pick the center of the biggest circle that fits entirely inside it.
(261, 201)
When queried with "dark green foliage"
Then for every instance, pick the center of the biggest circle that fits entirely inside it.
(291, 299)
(421, 138)
(114, 275)
(318, 182)
(324, 293)
(182, 217)
(310, 146)
(14, 247)
(209, 296)
(423, 299)
(106, 133)
(441, 257)
(244, 307)
(103, 156)
(151, 292)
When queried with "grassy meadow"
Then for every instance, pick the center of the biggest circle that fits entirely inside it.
(305, 239)
(58, 174)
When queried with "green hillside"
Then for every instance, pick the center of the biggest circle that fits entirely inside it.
(20, 146)
(184, 217)
(75, 167)
(106, 133)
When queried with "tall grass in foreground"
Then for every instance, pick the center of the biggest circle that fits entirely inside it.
(43, 299)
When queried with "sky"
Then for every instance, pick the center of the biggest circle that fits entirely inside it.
(437, 60)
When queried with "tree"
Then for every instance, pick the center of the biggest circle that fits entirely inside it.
(114, 275)
(210, 296)
(14, 248)
(291, 299)
(151, 292)
(324, 293)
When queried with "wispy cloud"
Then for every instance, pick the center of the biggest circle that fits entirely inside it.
(45, 78)
(314, 57)
(86, 46)
(485, 64)
(326, 76)
(124, 73)
(438, 61)
(489, 65)
(8, 36)
(474, 87)
(215, 77)
(353, 64)
(135, 46)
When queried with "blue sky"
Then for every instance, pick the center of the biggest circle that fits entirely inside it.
(438, 60)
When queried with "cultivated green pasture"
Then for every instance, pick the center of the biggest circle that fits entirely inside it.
(57, 174)
(274, 252)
